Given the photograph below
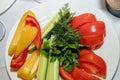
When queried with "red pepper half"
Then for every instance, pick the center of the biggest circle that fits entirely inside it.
(30, 20)
(17, 62)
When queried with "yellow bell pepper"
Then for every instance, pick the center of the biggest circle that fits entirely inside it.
(16, 37)
(29, 69)
(28, 34)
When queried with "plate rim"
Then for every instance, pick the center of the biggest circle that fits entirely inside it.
(5, 8)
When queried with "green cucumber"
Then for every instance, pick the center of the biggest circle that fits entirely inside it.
(50, 25)
(42, 68)
(43, 63)
(53, 70)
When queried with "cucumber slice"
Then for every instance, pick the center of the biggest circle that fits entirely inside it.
(42, 69)
(41, 74)
(53, 70)
(49, 26)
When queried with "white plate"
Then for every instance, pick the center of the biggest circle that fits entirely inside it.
(5, 4)
(109, 50)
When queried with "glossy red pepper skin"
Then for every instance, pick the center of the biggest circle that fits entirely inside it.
(17, 62)
(30, 20)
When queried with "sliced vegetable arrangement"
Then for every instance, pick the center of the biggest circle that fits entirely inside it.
(64, 47)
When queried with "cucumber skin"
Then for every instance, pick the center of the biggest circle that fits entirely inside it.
(42, 69)
(53, 70)
(49, 26)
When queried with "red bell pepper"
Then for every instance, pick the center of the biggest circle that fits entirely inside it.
(17, 62)
(30, 20)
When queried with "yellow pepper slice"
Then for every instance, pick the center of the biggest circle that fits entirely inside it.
(28, 34)
(29, 69)
(16, 37)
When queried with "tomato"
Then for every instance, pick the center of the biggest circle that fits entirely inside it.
(93, 28)
(77, 21)
(92, 41)
(65, 75)
(80, 74)
(86, 66)
(90, 64)
(92, 34)
(83, 52)
(89, 67)
(93, 63)
(33, 22)
(17, 62)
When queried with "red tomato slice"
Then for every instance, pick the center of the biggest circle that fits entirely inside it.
(17, 62)
(91, 68)
(92, 41)
(32, 21)
(93, 64)
(77, 21)
(83, 52)
(93, 28)
(65, 75)
(80, 74)
(87, 66)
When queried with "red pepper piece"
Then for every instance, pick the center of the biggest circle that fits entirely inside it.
(30, 20)
(17, 62)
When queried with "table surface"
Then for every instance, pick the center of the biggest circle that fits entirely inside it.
(20, 6)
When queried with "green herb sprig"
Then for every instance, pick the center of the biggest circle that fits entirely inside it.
(62, 42)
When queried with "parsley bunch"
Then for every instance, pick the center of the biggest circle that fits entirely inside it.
(62, 42)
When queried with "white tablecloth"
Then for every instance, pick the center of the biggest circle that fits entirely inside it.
(10, 17)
